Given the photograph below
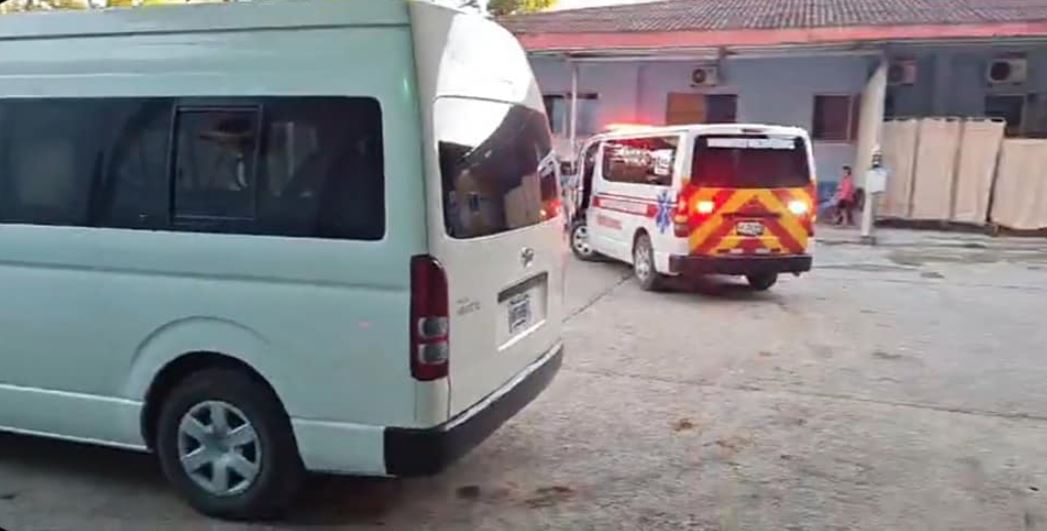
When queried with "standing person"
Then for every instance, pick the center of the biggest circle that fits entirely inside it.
(875, 185)
(844, 197)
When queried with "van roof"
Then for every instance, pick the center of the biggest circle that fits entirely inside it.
(206, 17)
(706, 129)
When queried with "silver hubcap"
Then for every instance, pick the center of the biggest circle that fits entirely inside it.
(580, 239)
(642, 261)
(219, 449)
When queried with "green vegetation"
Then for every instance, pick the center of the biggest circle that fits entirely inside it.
(509, 7)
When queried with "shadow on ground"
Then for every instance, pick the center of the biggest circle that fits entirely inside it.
(325, 500)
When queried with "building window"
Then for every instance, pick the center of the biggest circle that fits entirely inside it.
(835, 118)
(689, 108)
(889, 105)
(558, 108)
(722, 108)
(1010, 108)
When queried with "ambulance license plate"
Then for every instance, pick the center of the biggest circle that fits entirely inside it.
(750, 228)
(519, 312)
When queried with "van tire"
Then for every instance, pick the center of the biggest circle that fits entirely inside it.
(762, 281)
(581, 246)
(643, 264)
(243, 401)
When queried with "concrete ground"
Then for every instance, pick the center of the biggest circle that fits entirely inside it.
(897, 387)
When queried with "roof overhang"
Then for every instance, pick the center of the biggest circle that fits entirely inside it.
(691, 44)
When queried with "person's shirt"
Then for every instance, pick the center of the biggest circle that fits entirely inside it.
(845, 191)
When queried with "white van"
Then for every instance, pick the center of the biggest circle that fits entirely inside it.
(265, 238)
(734, 199)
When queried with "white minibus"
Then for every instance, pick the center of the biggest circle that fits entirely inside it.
(266, 238)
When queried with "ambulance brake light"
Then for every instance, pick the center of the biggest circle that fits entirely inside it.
(798, 207)
(705, 207)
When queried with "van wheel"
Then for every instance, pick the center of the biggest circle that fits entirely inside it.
(643, 264)
(226, 444)
(762, 281)
(580, 245)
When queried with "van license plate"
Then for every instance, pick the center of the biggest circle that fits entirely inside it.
(750, 228)
(519, 312)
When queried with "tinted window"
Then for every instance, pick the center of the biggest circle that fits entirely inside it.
(750, 161)
(136, 188)
(215, 181)
(49, 158)
(284, 166)
(322, 168)
(722, 108)
(496, 165)
(83, 161)
(640, 160)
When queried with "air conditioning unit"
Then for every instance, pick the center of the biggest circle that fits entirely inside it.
(901, 72)
(705, 76)
(1011, 70)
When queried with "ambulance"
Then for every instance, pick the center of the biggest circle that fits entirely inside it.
(691, 200)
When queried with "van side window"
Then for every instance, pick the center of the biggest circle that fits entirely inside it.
(286, 166)
(322, 168)
(214, 180)
(135, 191)
(640, 160)
(49, 158)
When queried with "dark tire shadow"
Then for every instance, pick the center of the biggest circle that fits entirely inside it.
(720, 288)
(62, 459)
(324, 500)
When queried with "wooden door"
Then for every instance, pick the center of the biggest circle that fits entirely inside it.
(685, 108)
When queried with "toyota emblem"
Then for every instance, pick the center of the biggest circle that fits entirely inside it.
(527, 256)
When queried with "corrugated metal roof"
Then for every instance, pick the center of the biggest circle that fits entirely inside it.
(718, 15)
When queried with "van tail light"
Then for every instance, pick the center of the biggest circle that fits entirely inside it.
(430, 320)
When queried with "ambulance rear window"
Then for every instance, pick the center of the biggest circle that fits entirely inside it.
(750, 161)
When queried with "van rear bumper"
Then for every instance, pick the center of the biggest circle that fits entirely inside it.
(738, 265)
(427, 451)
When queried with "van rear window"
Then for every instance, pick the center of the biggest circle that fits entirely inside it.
(497, 167)
(750, 161)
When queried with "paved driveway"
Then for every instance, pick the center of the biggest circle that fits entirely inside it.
(903, 387)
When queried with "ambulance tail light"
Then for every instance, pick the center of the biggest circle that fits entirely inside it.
(704, 207)
(682, 216)
(798, 207)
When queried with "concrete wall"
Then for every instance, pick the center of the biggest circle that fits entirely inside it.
(951, 81)
(775, 91)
